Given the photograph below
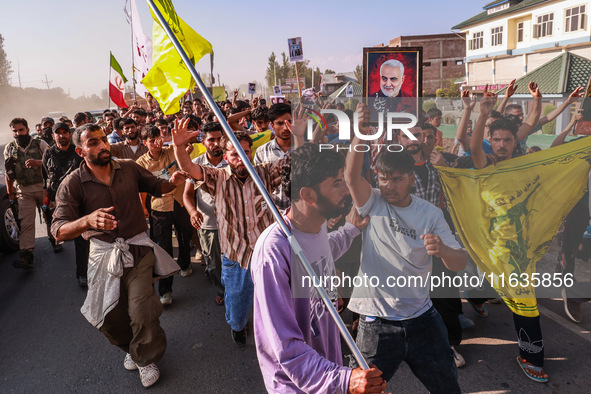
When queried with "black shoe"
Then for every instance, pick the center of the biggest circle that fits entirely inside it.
(22, 264)
(25, 261)
(239, 337)
(82, 282)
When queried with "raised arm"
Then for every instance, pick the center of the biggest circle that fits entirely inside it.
(180, 138)
(559, 140)
(511, 88)
(234, 118)
(462, 131)
(359, 187)
(554, 114)
(532, 119)
(486, 105)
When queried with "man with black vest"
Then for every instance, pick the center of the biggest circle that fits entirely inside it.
(24, 183)
(59, 161)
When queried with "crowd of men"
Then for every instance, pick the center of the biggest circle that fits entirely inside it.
(124, 185)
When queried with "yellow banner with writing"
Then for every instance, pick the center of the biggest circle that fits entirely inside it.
(169, 78)
(508, 214)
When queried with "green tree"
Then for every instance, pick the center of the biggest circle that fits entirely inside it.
(359, 73)
(550, 127)
(5, 68)
(272, 68)
(329, 71)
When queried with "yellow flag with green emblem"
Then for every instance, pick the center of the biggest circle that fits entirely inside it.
(169, 78)
(508, 214)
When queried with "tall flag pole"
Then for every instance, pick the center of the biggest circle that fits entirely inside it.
(176, 21)
(117, 83)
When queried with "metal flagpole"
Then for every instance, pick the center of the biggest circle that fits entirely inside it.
(259, 184)
(109, 87)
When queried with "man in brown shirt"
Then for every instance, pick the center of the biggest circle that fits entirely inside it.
(99, 201)
(131, 148)
(241, 212)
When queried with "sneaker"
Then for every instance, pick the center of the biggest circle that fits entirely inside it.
(166, 299)
(188, 271)
(239, 337)
(149, 374)
(460, 362)
(572, 308)
(465, 322)
(587, 233)
(83, 282)
(128, 363)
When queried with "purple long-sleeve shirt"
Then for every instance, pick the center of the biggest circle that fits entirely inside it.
(298, 343)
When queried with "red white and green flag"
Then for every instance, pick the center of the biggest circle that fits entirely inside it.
(117, 83)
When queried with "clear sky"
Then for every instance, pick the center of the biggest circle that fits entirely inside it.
(69, 40)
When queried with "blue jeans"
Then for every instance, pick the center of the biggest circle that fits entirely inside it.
(421, 342)
(239, 293)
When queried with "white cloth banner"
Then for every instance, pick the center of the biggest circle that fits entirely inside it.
(142, 50)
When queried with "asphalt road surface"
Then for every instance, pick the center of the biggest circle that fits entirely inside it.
(47, 346)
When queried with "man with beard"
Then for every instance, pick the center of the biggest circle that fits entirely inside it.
(46, 130)
(24, 184)
(391, 79)
(399, 323)
(241, 213)
(277, 148)
(298, 344)
(99, 200)
(201, 208)
(131, 148)
(59, 161)
(390, 96)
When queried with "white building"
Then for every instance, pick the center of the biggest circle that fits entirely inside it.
(511, 38)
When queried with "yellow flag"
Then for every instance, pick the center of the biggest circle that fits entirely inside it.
(508, 214)
(169, 79)
(258, 139)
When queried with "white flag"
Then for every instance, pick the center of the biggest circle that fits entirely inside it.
(142, 50)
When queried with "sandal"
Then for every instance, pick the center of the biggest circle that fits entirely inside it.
(480, 309)
(525, 367)
(219, 300)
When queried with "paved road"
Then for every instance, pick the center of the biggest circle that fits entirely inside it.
(46, 345)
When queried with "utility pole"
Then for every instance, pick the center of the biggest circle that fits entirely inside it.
(46, 82)
(20, 85)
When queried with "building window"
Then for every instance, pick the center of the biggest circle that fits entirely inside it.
(477, 41)
(444, 63)
(575, 18)
(459, 62)
(520, 32)
(427, 64)
(496, 36)
(543, 27)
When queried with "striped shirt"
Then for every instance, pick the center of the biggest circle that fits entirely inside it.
(271, 152)
(241, 212)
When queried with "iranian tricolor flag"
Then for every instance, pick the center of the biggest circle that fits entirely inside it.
(117, 83)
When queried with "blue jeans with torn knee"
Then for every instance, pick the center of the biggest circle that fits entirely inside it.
(239, 291)
(421, 342)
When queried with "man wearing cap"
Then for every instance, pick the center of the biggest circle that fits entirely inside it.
(46, 130)
(24, 183)
(58, 161)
